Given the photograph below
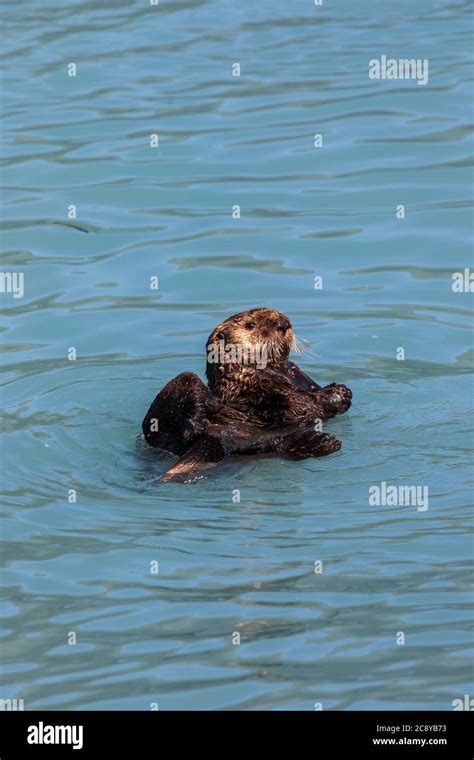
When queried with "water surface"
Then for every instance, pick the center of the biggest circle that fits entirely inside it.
(229, 567)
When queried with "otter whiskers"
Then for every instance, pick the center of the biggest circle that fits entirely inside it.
(302, 346)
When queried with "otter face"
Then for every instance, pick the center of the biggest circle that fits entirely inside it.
(258, 337)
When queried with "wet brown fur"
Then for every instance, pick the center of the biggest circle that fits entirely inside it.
(247, 408)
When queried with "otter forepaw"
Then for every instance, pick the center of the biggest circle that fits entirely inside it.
(339, 395)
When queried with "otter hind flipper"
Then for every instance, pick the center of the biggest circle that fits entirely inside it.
(308, 443)
(178, 414)
(205, 453)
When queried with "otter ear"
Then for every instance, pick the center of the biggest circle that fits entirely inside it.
(215, 337)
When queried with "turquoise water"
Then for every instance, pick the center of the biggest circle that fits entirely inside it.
(84, 569)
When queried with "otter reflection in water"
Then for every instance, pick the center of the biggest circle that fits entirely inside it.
(256, 401)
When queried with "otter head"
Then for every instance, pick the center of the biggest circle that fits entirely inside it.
(248, 342)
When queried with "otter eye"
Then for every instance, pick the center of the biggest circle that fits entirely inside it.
(249, 325)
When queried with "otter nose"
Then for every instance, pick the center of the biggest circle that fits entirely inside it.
(283, 324)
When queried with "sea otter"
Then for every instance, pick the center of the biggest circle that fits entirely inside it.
(256, 402)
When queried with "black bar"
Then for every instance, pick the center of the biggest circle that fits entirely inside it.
(169, 734)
